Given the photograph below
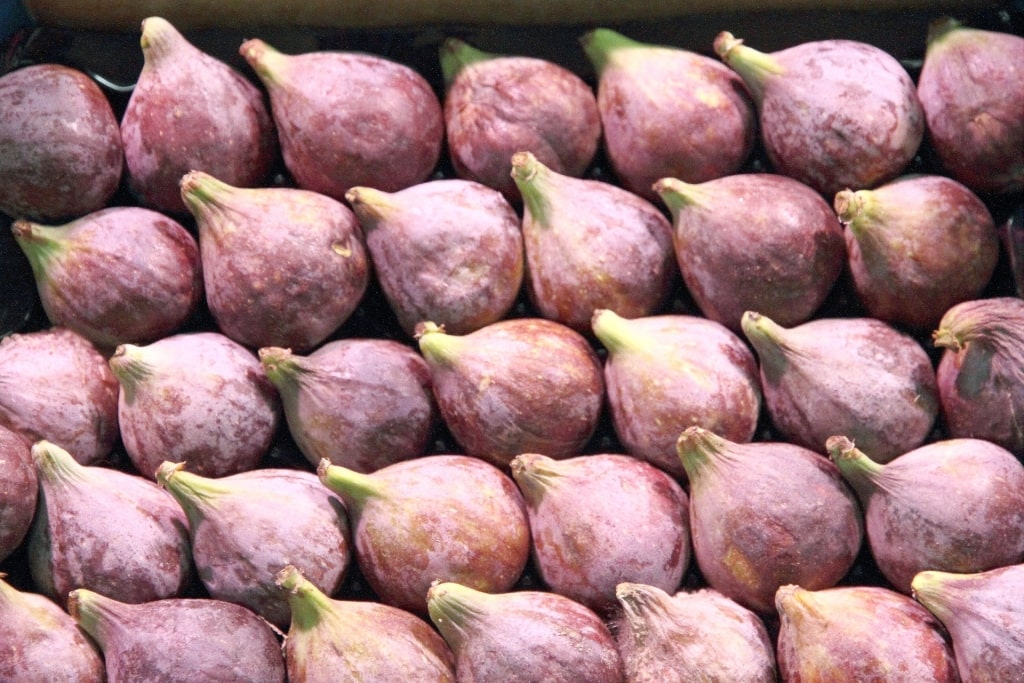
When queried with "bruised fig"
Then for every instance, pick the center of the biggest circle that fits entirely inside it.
(858, 376)
(18, 491)
(350, 641)
(523, 636)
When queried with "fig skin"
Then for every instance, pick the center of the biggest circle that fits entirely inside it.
(523, 636)
(869, 633)
(361, 403)
(668, 112)
(57, 124)
(856, 376)
(346, 118)
(281, 266)
(690, 636)
(602, 519)
(767, 514)
(496, 105)
(810, 100)
(118, 275)
(953, 505)
(520, 385)
(466, 244)
(19, 488)
(438, 517)
(917, 246)
(190, 111)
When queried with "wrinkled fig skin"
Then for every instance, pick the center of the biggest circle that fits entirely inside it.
(971, 88)
(281, 266)
(690, 636)
(439, 517)
(118, 275)
(856, 376)
(464, 242)
(869, 633)
(349, 641)
(981, 372)
(523, 636)
(18, 491)
(57, 124)
(811, 100)
(185, 639)
(189, 111)
(781, 254)
(497, 105)
(520, 385)
(668, 113)
(347, 119)
(198, 398)
(917, 246)
(360, 403)
(55, 385)
(601, 519)
(766, 514)
(954, 505)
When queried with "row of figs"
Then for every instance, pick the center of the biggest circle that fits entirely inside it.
(609, 426)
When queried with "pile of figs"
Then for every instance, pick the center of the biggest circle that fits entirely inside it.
(677, 366)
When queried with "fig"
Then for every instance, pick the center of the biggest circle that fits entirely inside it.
(361, 403)
(61, 155)
(347, 118)
(18, 491)
(350, 641)
(603, 519)
(281, 266)
(190, 111)
(858, 376)
(766, 514)
(523, 636)
(466, 244)
(520, 385)
(194, 397)
(811, 99)
(498, 104)
(667, 112)
(122, 274)
(439, 517)
(954, 505)
(754, 241)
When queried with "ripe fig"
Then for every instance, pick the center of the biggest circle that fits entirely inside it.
(811, 100)
(19, 488)
(282, 266)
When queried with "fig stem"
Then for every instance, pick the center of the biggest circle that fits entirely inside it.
(677, 195)
(437, 346)
(56, 464)
(130, 368)
(455, 55)
(354, 487)
(698, 449)
(615, 332)
(39, 242)
(753, 66)
(267, 62)
(929, 588)
(859, 470)
(370, 204)
(307, 602)
(93, 613)
(600, 44)
(158, 39)
(534, 182)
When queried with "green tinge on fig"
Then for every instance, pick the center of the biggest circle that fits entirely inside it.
(158, 38)
(353, 487)
(698, 448)
(534, 181)
(677, 194)
(270, 65)
(455, 55)
(130, 368)
(938, 29)
(452, 607)
(40, 243)
(281, 366)
(371, 205)
(930, 589)
(535, 474)
(616, 333)
(94, 613)
(768, 338)
(796, 602)
(753, 66)
(307, 602)
(603, 46)
(56, 465)
(437, 346)
(860, 471)
(192, 491)
(201, 191)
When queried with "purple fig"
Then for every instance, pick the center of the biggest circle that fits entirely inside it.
(439, 517)
(350, 641)
(868, 633)
(179, 639)
(754, 241)
(523, 636)
(668, 112)
(971, 88)
(665, 373)
(360, 403)
(18, 491)
(466, 244)
(520, 385)
(599, 520)
(190, 111)
(856, 376)
(766, 514)
(590, 245)
(119, 275)
(60, 149)
(347, 118)
(496, 105)
(690, 636)
(197, 398)
(282, 266)
(811, 100)
(953, 505)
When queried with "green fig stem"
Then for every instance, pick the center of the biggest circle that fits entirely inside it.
(616, 333)
(192, 491)
(56, 465)
(931, 589)
(601, 44)
(995, 324)
(678, 195)
(281, 366)
(798, 603)
(159, 39)
(769, 340)
(455, 55)
(201, 192)
(309, 604)
(130, 368)
(860, 471)
(753, 66)
(437, 346)
(453, 607)
(371, 205)
(535, 474)
(41, 243)
(939, 28)
(94, 613)
(534, 181)
(269, 64)
(355, 488)
(699, 450)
